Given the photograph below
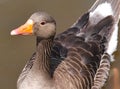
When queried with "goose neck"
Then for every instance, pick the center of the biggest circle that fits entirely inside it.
(43, 52)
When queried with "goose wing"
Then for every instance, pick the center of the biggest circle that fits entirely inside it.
(83, 52)
(26, 69)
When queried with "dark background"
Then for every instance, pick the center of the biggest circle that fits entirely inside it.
(16, 50)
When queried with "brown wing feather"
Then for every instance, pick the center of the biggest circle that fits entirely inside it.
(83, 55)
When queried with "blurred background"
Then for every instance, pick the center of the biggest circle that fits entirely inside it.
(16, 50)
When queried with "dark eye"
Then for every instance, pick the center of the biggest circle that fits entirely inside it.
(42, 23)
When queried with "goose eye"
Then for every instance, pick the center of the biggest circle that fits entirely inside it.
(42, 23)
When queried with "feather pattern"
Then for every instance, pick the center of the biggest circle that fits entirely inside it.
(78, 58)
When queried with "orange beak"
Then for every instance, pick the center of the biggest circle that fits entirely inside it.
(25, 29)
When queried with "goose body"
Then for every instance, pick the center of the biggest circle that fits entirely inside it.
(78, 58)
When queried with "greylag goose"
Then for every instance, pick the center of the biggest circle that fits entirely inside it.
(78, 58)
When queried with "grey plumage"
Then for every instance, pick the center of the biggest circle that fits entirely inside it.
(78, 58)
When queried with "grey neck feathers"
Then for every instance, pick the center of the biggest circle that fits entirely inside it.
(43, 53)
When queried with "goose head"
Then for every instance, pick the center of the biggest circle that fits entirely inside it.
(40, 24)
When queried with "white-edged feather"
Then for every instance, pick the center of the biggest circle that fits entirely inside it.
(103, 10)
(112, 45)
